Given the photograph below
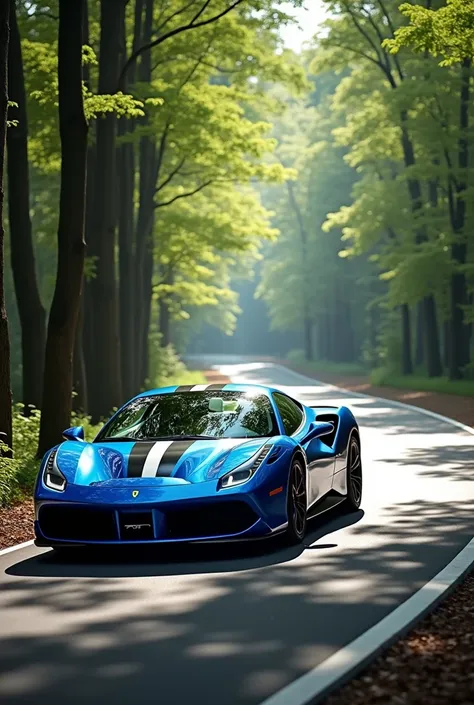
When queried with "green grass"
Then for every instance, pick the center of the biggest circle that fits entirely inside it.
(347, 369)
(382, 377)
(439, 385)
(184, 377)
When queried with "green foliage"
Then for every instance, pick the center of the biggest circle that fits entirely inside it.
(9, 489)
(166, 367)
(447, 31)
(99, 105)
(18, 475)
(439, 385)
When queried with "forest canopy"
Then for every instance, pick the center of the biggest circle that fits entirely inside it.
(176, 176)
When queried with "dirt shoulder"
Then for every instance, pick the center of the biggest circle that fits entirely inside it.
(16, 524)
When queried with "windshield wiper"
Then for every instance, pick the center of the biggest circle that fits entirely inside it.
(180, 437)
(115, 439)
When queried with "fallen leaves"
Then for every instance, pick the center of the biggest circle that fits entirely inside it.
(16, 523)
(432, 665)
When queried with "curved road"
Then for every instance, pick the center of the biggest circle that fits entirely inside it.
(231, 626)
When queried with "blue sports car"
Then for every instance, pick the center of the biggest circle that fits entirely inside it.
(215, 462)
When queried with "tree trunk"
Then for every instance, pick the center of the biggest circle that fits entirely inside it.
(5, 385)
(80, 401)
(147, 292)
(126, 170)
(446, 343)
(407, 365)
(149, 171)
(58, 373)
(31, 312)
(164, 309)
(105, 390)
(433, 353)
(82, 350)
(419, 347)
(460, 353)
(308, 338)
(432, 348)
(164, 321)
(127, 288)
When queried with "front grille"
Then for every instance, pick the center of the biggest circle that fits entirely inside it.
(210, 519)
(72, 523)
(84, 524)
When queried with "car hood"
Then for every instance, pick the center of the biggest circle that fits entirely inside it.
(152, 463)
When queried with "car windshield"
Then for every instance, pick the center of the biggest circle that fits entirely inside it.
(193, 414)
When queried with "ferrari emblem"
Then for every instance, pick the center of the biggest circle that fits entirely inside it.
(135, 493)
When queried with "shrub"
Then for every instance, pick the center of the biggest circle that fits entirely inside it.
(296, 356)
(18, 475)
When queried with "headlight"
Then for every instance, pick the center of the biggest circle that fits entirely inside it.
(52, 476)
(244, 472)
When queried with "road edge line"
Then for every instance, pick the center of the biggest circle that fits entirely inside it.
(353, 658)
(10, 549)
(394, 402)
(345, 663)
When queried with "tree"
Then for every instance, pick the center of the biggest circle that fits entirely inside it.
(57, 399)
(30, 307)
(359, 33)
(105, 391)
(449, 31)
(5, 387)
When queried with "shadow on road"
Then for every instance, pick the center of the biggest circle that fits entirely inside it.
(233, 632)
(229, 625)
(180, 559)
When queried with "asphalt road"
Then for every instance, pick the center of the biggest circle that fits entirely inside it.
(230, 626)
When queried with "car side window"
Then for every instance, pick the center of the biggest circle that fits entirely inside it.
(290, 413)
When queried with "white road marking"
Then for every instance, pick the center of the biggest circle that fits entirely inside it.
(154, 457)
(339, 667)
(391, 402)
(346, 662)
(25, 544)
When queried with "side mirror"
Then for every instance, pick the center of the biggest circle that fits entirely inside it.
(316, 430)
(76, 433)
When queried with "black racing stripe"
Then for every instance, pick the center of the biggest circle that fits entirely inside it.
(184, 388)
(137, 458)
(171, 457)
(215, 387)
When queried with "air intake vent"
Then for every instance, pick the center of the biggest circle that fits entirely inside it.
(50, 461)
(261, 457)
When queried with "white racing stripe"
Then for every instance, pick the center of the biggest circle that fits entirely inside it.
(199, 387)
(154, 457)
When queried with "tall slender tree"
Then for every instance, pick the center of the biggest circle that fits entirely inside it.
(5, 386)
(58, 374)
(105, 389)
(30, 309)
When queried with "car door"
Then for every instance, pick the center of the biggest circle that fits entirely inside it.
(320, 464)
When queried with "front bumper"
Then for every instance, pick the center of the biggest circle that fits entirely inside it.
(168, 514)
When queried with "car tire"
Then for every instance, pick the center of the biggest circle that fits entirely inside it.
(354, 475)
(296, 502)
